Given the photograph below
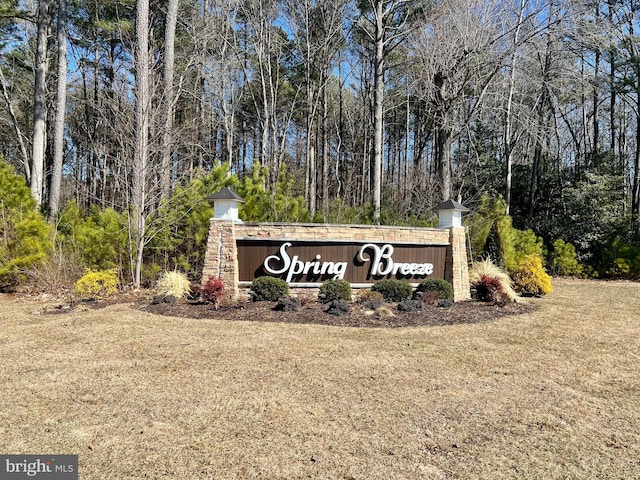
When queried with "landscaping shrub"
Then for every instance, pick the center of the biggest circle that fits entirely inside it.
(490, 289)
(531, 279)
(493, 236)
(335, 289)
(410, 305)
(393, 290)
(442, 288)
(445, 303)
(268, 289)
(370, 300)
(95, 285)
(339, 307)
(288, 304)
(212, 290)
(486, 271)
(174, 284)
(563, 259)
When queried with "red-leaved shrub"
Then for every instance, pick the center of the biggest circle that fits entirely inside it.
(490, 289)
(211, 292)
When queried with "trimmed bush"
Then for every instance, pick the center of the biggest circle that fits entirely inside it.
(174, 284)
(442, 288)
(393, 290)
(97, 285)
(531, 279)
(268, 289)
(211, 292)
(336, 289)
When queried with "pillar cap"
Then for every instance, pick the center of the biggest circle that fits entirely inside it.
(452, 205)
(226, 194)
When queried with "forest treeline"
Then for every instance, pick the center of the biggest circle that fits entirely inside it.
(370, 111)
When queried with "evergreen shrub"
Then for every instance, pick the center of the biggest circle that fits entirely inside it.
(531, 279)
(96, 285)
(393, 290)
(442, 288)
(268, 289)
(335, 289)
(493, 236)
(25, 236)
(624, 256)
(99, 238)
(563, 260)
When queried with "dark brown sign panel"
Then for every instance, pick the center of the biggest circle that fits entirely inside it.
(355, 262)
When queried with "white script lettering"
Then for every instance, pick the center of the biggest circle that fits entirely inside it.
(295, 266)
(382, 262)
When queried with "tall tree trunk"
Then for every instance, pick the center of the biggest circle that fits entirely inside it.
(325, 150)
(39, 104)
(169, 101)
(61, 103)
(378, 100)
(442, 139)
(139, 194)
(596, 93)
(508, 130)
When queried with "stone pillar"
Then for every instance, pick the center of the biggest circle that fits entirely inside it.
(459, 264)
(221, 257)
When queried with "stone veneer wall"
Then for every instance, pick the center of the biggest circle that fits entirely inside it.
(221, 258)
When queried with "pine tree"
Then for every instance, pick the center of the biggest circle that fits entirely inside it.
(24, 234)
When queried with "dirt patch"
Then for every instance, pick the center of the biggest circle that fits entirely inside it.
(312, 312)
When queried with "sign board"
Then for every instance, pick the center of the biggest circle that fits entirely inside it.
(359, 263)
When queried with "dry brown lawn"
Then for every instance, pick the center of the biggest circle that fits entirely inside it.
(553, 394)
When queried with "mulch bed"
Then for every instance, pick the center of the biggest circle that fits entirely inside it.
(312, 312)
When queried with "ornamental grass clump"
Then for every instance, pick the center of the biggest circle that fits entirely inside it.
(490, 283)
(173, 284)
